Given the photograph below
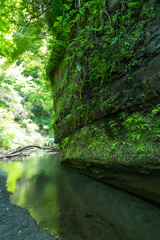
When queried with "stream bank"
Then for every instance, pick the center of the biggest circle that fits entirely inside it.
(16, 223)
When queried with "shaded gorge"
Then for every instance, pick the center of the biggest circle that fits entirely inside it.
(75, 207)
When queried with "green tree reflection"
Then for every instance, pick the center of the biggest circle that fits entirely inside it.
(34, 187)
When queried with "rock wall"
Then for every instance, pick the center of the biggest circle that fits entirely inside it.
(107, 87)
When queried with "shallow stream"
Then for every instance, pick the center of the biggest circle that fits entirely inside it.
(75, 207)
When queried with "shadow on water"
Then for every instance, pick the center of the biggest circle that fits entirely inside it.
(75, 207)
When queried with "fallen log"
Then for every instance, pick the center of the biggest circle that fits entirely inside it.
(30, 146)
(18, 152)
(14, 155)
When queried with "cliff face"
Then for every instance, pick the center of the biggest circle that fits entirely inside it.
(107, 88)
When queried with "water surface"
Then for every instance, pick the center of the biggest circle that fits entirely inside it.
(75, 207)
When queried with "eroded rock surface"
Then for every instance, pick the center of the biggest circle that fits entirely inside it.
(134, 179)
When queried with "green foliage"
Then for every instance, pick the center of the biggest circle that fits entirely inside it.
(135, 142)
(133, 4)
(100, 146)
(22, 23)
(92, 45)
(25, 105)
(13, 135)
(144, 132)
(25, 90)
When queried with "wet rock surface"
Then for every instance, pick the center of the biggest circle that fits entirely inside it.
(15, 222)
(134, 179)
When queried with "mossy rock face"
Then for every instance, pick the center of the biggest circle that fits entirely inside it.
(106, 86)
(105, 73)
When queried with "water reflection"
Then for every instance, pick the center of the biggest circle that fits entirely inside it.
(76, 207)
(34, 187)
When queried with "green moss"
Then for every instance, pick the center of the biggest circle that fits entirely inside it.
(101, 46)
(138, 141)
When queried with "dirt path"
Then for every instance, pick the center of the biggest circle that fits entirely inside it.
(15, 222)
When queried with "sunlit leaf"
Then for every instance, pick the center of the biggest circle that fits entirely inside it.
(79, 68)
